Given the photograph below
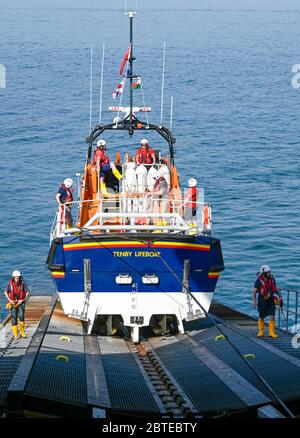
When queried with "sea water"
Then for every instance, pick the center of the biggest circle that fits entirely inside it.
(236, 122)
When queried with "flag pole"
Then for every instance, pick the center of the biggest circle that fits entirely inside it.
(131, 14)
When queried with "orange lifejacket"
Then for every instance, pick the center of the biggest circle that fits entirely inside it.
(69, 197)
(145, 156)
(206, 215)
(16, 291)
(100, 156)
(268, 286)
(190, 198)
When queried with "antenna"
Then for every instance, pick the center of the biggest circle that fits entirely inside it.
(163, 84)
(101, 85)
(91, 89)
(125, 7)
(130, 14)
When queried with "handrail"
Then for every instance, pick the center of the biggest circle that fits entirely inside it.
(290, 312)
(132, 196)
(126, 209)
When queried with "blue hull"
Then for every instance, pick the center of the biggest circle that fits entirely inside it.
(111, 256)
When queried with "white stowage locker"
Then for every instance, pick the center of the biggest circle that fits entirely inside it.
(164, 171)
(130, 179)
(150, 178)
(130, 187)
(141, 174)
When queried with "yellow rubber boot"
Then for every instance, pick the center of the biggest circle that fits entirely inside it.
(14, 329)
(272, 333)
(22, 331)
(117, 174)
(103, 189)
(261, 325)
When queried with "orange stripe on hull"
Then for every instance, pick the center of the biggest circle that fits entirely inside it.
(58, 274)
(213, 275)
(194, 247)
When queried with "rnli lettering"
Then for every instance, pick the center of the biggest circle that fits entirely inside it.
(136, 254)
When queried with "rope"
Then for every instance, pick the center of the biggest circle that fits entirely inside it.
(217, 326)
(121, 98)
(132, 267)
(146, 114)
(212, 319)
(258, 375)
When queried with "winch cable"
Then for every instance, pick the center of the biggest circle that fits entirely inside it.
(215, 322)
(217, 326)
(129, 265)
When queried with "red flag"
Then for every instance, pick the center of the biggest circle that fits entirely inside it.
(126, 57)
(119, 89)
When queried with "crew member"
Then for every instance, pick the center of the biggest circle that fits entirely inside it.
(145, 154)
(103, 165)
(160, 198)
(190, 202)
(64, 198)
(268, 294)
(16, 293)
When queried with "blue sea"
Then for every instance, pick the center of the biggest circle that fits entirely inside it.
(236, 121)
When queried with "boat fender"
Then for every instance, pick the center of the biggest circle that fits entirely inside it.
(63, 358)
(65, 338)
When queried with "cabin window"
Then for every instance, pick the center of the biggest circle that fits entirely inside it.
(150, 279)
(123, 279)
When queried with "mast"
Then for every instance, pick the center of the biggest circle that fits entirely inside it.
(130, 76)
(130, 123)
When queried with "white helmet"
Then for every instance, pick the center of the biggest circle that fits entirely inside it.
(16, 274)
(144, 141)
(101, 142)
(192, 182)
(264, 269)
(68, 182)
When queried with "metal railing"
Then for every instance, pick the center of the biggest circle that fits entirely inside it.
(133, 213)
(289, 315)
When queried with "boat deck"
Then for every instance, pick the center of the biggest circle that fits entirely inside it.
(59, 371)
